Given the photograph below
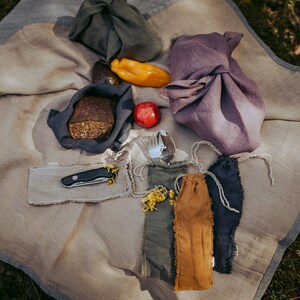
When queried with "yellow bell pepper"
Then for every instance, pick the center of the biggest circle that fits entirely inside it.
(142, 74)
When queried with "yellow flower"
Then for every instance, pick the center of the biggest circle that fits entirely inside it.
(171, 194)
(172, 202)
(156, 196)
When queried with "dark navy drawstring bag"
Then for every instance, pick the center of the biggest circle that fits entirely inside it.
(225, 221)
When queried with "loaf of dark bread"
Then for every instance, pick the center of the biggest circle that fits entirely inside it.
(92, 118)
(101, 73)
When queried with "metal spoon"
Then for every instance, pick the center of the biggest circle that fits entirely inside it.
(169, 150)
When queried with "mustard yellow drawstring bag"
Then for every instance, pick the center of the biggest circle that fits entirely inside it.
(193, 229)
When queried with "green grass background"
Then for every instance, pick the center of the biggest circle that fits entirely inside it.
(277, 22)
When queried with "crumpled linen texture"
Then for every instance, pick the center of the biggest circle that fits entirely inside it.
(193, 227)
(114, 28)
(57, 121)
(225, 221)
(158, 258)
(210, 93)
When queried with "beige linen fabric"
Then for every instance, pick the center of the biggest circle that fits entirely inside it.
(92, 251)
(45, 187)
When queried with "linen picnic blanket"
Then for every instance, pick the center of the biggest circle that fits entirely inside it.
(93, 250)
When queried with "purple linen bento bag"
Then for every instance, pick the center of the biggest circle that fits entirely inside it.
(210, 94)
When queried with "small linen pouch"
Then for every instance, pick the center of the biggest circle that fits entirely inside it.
(45, 187)
(193, 228)
(158, 245)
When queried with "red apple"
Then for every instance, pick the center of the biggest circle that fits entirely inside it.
(146, 114)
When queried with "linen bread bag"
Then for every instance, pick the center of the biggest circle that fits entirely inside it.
(59, 121)
(94, 116)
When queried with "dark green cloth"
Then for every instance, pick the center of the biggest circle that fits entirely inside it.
(158, 244)
(115, 29)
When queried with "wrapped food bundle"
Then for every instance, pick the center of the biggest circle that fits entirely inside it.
(210, 94)
(115, 29)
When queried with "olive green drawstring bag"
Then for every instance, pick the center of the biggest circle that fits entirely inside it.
(158, 245)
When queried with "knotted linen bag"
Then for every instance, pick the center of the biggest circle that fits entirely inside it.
(114, 28)
(210, 94)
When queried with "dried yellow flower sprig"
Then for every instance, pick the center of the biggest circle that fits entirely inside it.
(155, 196)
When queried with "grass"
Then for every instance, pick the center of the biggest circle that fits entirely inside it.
(285, 283)
(6, 6)
(16, 285)
(277, 22)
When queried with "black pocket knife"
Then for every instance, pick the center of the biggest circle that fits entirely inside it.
(106, 174)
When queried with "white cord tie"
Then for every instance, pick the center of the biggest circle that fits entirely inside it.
(121, 152)
(196, 145)
(176, 184)
(141, 167)
(223, 198)
(146, 192)
(266, 157)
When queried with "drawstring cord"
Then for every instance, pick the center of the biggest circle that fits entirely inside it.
(176, 184)
(240, 157)
(144, 193)
(138, 170)
(266, 157)
(140, 175)
(196, 145)
(126, 151)
(142, 167)
(194, 159)
(130, 171)
(223, 198)
(196, 162)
